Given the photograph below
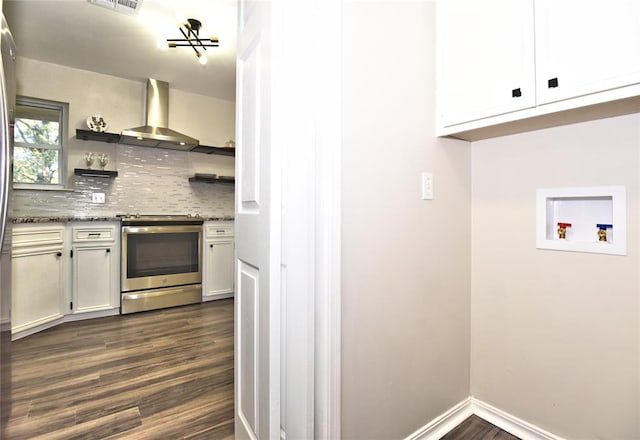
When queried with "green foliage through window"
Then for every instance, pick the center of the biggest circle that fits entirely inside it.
(35, 165)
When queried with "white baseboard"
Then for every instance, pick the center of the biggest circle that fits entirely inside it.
(217, 296)
(510, 423)
(23, 331)
(446, 422)
(31, 328)
(92, 315)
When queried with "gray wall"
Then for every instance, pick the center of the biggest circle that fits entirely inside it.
(555, 335)
(406, 264)
(150, 181)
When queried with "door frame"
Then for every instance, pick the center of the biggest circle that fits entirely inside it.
(328, 192)
(312, 29)
(322, 34)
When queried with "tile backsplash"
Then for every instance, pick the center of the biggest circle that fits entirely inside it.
(150, 181)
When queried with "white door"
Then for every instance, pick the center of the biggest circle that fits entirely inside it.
(37, 294)
(219, 267)
(257, 226)
(287, 219)
(585, 46)
(93, 278)
(485, 61)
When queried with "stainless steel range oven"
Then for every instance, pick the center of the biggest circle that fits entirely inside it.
(161, 262)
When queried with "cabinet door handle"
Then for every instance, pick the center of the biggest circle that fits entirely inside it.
(516, 93)
(553, 82)
(58, 254)
(108, 250)
(210, 245)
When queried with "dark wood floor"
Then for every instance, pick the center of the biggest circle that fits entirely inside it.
(475, 428)
(164, 374)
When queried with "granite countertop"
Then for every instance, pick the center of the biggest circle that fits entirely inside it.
(218, 218)
(67, 219)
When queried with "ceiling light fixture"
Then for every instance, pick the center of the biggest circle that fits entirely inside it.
(190, 30)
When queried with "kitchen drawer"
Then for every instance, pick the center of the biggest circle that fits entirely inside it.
(219, 230)
(29, 236)
(83, 234)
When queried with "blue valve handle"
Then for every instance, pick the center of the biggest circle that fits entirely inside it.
(603, 226)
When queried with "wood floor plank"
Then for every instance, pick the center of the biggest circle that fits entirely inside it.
(160, 374)
(28, 427)
(102, 427)
(475, 428)
(222, 431)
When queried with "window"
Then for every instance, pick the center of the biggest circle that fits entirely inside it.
(38, 135)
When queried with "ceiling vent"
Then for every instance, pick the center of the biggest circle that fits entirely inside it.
(129, 7)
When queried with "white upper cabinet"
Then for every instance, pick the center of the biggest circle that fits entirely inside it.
(485, 59)
(506, 66)
(586, 46)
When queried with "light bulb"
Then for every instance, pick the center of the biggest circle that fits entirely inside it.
(162, 44)
(202, 59)
(181, 17)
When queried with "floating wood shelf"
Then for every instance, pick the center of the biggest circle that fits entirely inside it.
(214, 150)
(114, 138)
(94, 173)
(212, 178)
(88, 135)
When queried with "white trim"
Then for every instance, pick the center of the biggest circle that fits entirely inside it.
(217, 296)
(92, 315)
(32, 328)
(510, 423)
(446, 422)
(328, 219)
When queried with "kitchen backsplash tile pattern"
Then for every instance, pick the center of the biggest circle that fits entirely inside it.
(150, 181)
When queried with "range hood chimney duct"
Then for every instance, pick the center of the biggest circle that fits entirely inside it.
(156, 133)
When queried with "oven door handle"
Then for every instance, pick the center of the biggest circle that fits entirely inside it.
(174, 229)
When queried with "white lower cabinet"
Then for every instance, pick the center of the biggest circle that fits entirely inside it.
(218, 261)
(95, 262)
(63, 272)
(38, 267)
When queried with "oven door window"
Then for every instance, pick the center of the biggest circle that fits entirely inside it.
(162, 254)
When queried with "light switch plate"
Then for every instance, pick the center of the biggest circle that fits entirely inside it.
(97, 198)
(427, 186)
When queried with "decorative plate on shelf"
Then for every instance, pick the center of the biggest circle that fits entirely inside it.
(97, 123)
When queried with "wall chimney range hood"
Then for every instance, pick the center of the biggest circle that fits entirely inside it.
(156, 132)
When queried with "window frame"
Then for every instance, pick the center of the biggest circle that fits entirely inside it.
(63, 109)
